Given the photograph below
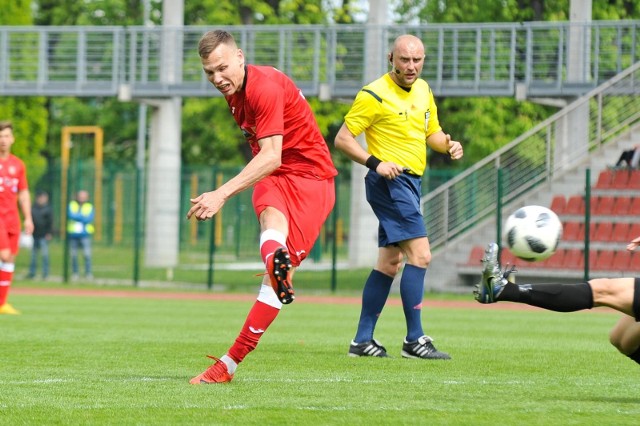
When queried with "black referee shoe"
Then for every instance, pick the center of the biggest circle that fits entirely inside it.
(422, 349)
(370, 348)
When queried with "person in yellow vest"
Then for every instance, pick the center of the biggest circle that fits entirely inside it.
(80, 228)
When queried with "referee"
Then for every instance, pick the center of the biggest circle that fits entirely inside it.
(398, 115)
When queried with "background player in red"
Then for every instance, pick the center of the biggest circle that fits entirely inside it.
(14, 190)
(292, 174)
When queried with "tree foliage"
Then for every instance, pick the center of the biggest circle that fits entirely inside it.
(28, 115)
(209, 134)
(485, 124)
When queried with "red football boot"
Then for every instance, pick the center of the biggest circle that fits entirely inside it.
(279, 270)
(216, 373)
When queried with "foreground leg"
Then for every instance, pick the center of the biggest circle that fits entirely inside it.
(416, 345)
(260, 317)
(279, 270)
(625, 336)
(494, 287)
(374, 296)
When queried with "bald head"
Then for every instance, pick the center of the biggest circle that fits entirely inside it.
(407, 59)
(408, 42)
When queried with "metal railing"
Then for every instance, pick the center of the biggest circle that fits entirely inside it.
(529, 160)
(535, 59)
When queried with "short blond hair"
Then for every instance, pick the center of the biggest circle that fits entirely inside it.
(212, 39)
(6, 125)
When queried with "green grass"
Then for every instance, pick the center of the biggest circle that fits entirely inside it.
(107, 360)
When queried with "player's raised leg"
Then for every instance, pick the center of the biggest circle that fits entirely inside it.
(492, 282)
(494, 287)
(279, 270)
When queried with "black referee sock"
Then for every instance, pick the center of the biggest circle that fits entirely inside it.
(554, 297)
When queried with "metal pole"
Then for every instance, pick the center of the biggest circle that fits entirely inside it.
(334, 243)
(499, 213)
(65, 270)
(587, 222)
(140, 160)
(137, 228)
(212, 242)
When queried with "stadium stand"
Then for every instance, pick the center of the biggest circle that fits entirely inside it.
(575, 205)
(556, 260)
(475, 258)
(614, 206)
(620, 232)
(620, 179)
(603, 206)
(573, 259)
(634, 180)
(572, 231)
(621, 260)
(603, 260)
(603, 232)
(604, 179)
(559, 204)
(621, 206)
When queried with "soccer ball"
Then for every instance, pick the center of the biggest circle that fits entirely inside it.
(532, 233)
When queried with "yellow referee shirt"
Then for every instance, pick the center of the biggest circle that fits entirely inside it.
(395, 122)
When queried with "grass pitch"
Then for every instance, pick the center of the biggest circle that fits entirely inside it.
(116, 360)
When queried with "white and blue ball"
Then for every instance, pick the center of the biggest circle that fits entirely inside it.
(532, 233)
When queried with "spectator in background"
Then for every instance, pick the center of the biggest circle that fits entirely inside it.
(14, 191)
(80, 229)
(42, 215)
(631, 157)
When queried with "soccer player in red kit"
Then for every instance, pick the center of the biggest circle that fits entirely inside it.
(14, 190)
(292, 174)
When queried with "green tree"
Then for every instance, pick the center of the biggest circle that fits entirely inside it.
(94, 12)
(460, 11)
(209, 134)
(485, 124)
(28, 115)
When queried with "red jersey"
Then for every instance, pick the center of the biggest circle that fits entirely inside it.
(270, 104)
(13, 179)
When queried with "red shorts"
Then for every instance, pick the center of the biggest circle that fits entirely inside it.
(9, 237)
(306, 203)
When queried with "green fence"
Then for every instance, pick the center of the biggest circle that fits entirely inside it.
(217, 245)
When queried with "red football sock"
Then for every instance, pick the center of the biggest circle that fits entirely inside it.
(267, 248)
(5, 283)
(258, 320)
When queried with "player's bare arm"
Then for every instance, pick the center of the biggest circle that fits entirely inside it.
(24, 199)
(441, 142)
(263, 164)
(346, 142)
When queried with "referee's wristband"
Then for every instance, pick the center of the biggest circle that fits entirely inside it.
(372, 163)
